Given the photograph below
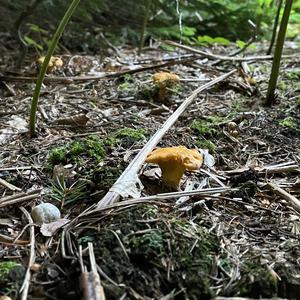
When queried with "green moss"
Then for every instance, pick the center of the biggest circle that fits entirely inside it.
(206, 144)
(288, 122)
(154, 241)
(135, 134)
(148, 92)
(106, 175)
(90, 147)
(207, 127)
(257, 281)
(124, 86)
(57, 156)
(94, 148)
(76, 148)
(127, 82)
(128, 136)
(5, 268)
(110, 141)
(150, 243)
(294, 74)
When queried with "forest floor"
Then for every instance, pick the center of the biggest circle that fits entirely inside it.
(241, 239)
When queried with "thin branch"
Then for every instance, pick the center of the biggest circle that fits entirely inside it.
(70, 79)
(224, 58)
(25, 286)
(292, 200)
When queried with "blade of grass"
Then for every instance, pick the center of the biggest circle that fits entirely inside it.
(278, 52)
(40, 79)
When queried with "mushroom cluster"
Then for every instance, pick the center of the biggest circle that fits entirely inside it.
(233, 129)
(174, 161)
(55, 63)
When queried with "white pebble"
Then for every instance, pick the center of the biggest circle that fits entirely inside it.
(45, 213)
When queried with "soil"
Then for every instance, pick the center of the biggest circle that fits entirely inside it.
(240, 242)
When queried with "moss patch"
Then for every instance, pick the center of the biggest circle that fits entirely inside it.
(207, 127)
(257, 281)
(128, 136)
(289, 123)
(155, 257)
(11, 277)
(93, 147)
(206, 144)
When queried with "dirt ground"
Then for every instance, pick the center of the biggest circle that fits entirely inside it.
(240, 240)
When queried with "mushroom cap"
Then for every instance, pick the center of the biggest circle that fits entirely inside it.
(54, 61)
(190, 159)
(161, 77)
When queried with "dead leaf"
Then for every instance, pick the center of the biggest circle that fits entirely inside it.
(75, 121)
(15, 125)
(49, 229)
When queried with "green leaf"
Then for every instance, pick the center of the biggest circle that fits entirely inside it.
(188, 31)
(222, 41)
(240, 44)
(204, 40)
(36, 28)
(32, 42)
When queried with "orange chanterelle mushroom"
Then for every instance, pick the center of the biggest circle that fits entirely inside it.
(174, 161)
(163, 80)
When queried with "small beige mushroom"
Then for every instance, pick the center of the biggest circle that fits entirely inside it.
(174, 161)
(55, 63)
(232, 126)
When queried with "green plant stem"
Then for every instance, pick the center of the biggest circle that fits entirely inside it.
(278, 52)
(39, 82)
(275, 27)
(146, 17)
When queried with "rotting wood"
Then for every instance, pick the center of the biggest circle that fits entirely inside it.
(129, 176)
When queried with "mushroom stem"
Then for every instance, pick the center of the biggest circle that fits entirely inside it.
(171, 175)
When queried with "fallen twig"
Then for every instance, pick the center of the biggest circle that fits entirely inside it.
(71, 79)
(228, 58)
(292, 200)
(18, 198)
(90, 281)
(25, 286)
(129, 176)
(269, 169)
(238, 51)
(174, 195)
(9, 185)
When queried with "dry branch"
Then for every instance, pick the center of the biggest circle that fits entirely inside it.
(225, 58)
(20, 197)
(70, 79)
(292, 200)
(129, 176)
(90, 281)
(25, 286)
(9, 185)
